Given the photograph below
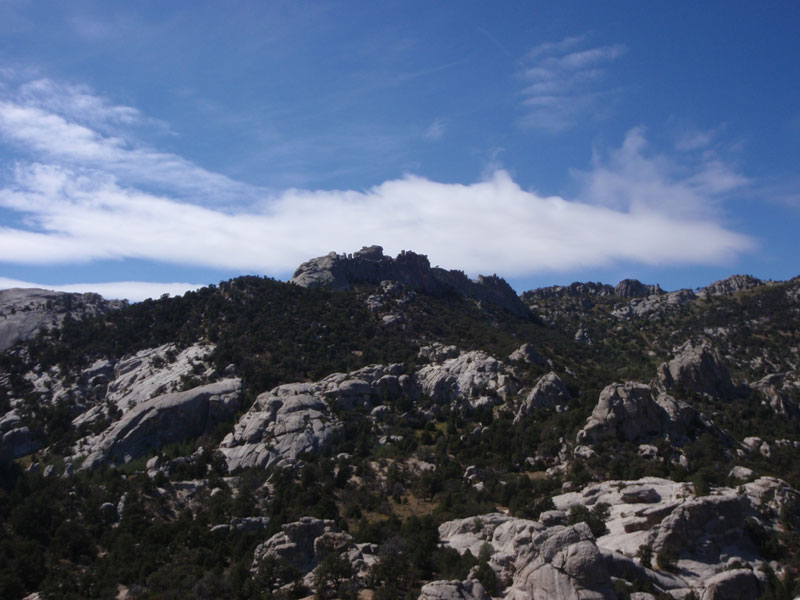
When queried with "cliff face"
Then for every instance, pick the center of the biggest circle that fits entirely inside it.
(23, 312)
(369, 265)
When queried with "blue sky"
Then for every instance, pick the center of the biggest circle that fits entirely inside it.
(149, 147)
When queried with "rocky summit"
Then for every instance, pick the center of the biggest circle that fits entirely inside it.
(380, 428)
(369, 265)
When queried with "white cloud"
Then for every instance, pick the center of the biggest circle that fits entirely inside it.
(563, 83)
(74, 127)
(135, 291)
(435, 132)
(629, 179)
(488, 226)
(86, 193)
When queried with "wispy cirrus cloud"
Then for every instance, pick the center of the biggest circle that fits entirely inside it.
(630, 178)
(564, 81)
(72, 126)
(435, 131)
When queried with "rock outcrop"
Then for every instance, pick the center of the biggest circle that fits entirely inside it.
(700, 535)
(533, 560)
(295, 418)
(697, 368)
(23, 312)
(369, 265)
(627, 288)
(632, 412)
(731, 285)
(633, 288)
(281, 425)
(296, 543)
(549, 392)
(123, 384)
(304, 544)
(654, 304)
(165, 419)
(17, 441)
(453, 590)
(528, 354)
(779, 390)
(469, 376)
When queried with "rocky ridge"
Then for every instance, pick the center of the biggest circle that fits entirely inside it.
(24, 312)
(369, 265)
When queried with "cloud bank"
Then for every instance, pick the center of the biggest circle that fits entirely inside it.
(83, 192)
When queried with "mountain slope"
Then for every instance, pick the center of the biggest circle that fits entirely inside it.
(260, 438)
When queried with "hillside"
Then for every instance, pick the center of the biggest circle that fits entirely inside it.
(382, 425)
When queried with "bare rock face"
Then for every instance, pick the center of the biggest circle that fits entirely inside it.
(633, 288)
(295, 418)
(701, 534)
(732, 285)
(737, 584)
(527, 353)
(630, 411)
(704, 528)
(133, 379)
(549, 392)
(16, 442)
(793, 293)
(165, 419)
(469, 375)
(534, 560)
(369, 265)
(654, 304)
(778, 389)
(280, 426)
(696, 368)
(23, 312)
(296, 543)
(453, 590)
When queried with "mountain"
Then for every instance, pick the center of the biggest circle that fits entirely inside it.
(23, 312)
(381, 426)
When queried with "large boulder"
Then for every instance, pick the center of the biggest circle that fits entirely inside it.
(453, 590)
(696, 368)
(165, 419)
(705, 528)
(527, 353)
(631, 411)
(778, 389)
(534, 560)
(467, 376)
(295, 418)
(737, 584)
(279, 429)
(297, 543)
(549, 392)
(18, 442)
